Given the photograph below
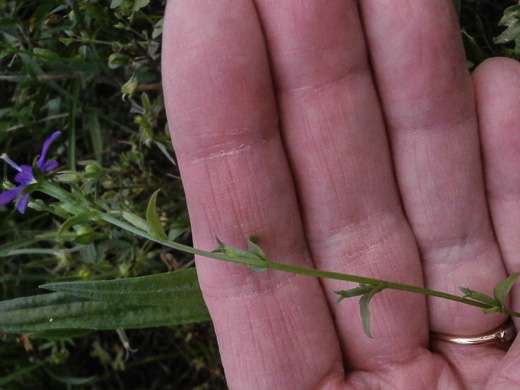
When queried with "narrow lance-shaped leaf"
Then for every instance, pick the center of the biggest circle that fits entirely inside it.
(477, 296)
(148, 301)
(20, 373)
(136, 220)
(153, 290)
(77, 220)
(254, 249)
(254, 253)
(365, 312)
(502, 289)
(152, 217)
(354, 292)
(232, 251)
(457, 4)
(69, 379)
(57, 311)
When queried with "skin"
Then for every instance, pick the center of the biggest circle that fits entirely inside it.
(352, 138)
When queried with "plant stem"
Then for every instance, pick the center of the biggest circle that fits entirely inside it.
(60, 194)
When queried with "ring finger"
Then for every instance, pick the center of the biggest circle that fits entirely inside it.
(428, 102)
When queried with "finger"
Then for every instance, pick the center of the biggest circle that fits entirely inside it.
(334, 134)
(497, 85)
(428, 103)
(507, 375)
(272, 328)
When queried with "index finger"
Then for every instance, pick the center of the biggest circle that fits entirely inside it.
(274, 329)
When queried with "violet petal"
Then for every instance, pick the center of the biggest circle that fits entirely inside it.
(9, 196)
(49, 166)
(46, 144)
(10, 162)
(25, 176)
(22, 203)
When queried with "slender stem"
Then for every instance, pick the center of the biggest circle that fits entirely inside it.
(65, 196)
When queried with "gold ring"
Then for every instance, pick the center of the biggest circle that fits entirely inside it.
(504, 333)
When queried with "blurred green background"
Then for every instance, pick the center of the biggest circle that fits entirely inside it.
(92, 70)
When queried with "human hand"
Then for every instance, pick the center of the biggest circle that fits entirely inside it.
(351, 140)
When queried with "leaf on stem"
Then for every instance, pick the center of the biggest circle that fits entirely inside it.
(477, 296)
(354, 292)
(367, 292)
(502, 289)
(154, 290)
(136, 221)
(254, 253)
(148, 301)
(152, 217)
(511, 20)
(365, 312)
(78, 220)
(254, 249)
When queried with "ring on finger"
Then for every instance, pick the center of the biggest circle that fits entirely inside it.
(502, 334)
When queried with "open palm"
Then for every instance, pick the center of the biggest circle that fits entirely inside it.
(348, 137)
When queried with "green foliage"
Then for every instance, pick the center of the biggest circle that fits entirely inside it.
(498, 301)
(152, 218)
(254, 252)
(155, 300)
(511, 20)
(367, 292)
(91, 69)
(503, 288)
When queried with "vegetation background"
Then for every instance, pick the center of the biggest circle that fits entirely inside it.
(91, 68)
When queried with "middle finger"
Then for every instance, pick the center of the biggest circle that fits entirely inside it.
(335, 138)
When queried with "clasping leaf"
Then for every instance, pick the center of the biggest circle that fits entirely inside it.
(502, 289)
(367, 292)
(477, 296)
(152, 217)
(254, 252)
(354, 292)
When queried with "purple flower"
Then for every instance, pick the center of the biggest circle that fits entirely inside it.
(25, 176)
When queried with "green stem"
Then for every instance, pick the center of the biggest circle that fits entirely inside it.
(59, 193)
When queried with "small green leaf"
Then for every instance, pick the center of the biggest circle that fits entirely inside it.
(129, 88)
(255, 250)
(254, 253)
(116, 3)
(458, 7)
(19, 373)
(511, 20)
(70, 380)
(365, 312)
(475, 295)
(158, 28)
(232, 251)
(138, 4)
(474, 53)
(152, 217)
(136, 220)
(77, 220)
(116, 60)
(502, 289)
(46, 54)
(85, 238)
(354, 292)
